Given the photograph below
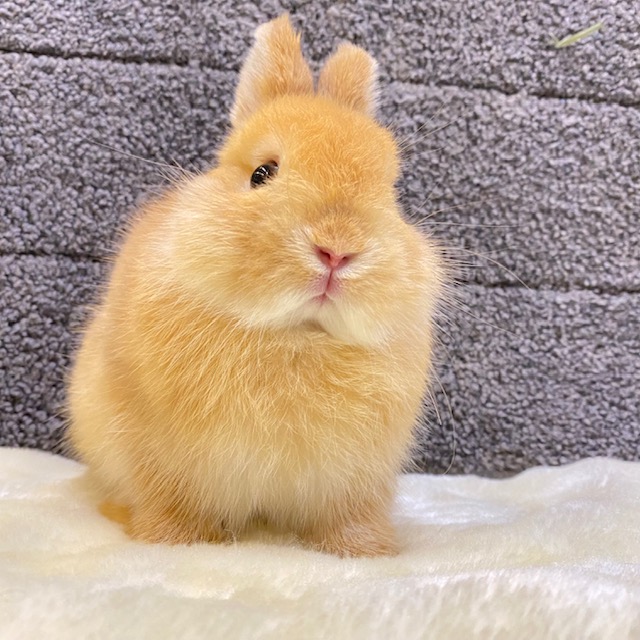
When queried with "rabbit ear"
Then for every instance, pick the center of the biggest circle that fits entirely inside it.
(273, 68)
(350, 77)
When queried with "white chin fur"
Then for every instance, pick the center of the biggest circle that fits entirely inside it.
(350, 325)
(341, 321)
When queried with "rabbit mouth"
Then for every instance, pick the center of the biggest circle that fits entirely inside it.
(327, 288)
(322, 299)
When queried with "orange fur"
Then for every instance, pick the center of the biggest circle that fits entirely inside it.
(210, 390)
(117, 512)
(348, 76)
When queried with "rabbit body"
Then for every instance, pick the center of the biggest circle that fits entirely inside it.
(232, 372)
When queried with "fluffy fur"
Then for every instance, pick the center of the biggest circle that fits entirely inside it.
(216, 384)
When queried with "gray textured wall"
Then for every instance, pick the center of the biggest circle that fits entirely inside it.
(534, 164)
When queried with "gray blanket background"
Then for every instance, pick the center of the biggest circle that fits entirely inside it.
(527, 167)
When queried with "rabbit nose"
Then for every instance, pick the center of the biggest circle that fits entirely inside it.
(331, 259)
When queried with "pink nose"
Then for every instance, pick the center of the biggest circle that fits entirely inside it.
(331, 259)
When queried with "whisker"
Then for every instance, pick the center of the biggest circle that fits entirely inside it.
(407, 142)
(506, 269)
(479, 225)
(438, 111)
(455, 207)
(434, 404)
(453, 426)
(163, 165)
(485, 256)
(432, 191)
(447, 251)
(415, 210)
(463, 309)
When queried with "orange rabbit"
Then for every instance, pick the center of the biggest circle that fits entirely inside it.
(265, 340)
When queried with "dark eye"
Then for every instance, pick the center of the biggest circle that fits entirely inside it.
(263, 173)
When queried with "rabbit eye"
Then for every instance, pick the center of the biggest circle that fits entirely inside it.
(263, 173)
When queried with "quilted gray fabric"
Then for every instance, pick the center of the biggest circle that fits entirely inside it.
(522, 158)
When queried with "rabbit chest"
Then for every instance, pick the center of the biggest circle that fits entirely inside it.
(270, 424)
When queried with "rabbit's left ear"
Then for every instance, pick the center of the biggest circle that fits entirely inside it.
(274, 67)
(350, 77)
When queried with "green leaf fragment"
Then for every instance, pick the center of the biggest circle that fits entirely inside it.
(576, 37)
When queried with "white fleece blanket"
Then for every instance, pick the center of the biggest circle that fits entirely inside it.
(551, 553)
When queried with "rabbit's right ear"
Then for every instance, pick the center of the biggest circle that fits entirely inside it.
(273, 68)
(350, 77)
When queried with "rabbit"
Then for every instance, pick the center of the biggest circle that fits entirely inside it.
(264, 342)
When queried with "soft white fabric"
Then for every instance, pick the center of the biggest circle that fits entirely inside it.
(551, 553)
